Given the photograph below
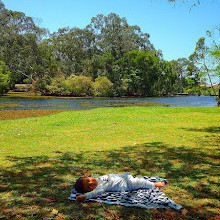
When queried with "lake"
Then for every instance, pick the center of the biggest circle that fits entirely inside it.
(13, 103)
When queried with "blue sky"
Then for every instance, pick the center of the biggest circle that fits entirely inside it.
(174, 30)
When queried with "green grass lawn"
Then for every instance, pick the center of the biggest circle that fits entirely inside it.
(41, 157)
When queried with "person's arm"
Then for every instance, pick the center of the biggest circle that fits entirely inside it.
(80, 198)
(159, 184)
(89, 195)
(94, 193)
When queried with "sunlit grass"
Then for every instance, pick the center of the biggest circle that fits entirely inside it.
(41, 157)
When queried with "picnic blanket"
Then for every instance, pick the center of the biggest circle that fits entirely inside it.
(143, 198)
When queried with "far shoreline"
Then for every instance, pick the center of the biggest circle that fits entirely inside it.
(24, 94)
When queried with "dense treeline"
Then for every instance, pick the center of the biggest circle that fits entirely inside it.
(107, 58)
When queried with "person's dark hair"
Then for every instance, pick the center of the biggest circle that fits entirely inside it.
(78, 186)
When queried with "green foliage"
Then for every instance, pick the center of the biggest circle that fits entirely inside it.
(168, 81)
(214, 49)
(40, 85)
(200, 59)
(72, 85)
(133, 80)
(19, 45)
(108, 47)
(115, 36)
(103, 87)
(199, 90)
(79, 85)
(72, 48)
(4, 79)
(58, 85)
(143, 70)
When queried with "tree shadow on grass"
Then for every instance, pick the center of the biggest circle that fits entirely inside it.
(208, 129)
(38, 187)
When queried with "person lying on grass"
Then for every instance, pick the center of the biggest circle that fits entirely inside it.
(111, 183)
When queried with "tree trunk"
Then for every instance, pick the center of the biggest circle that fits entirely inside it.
(219, 97)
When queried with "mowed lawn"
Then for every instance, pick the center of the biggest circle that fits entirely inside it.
(41, 157)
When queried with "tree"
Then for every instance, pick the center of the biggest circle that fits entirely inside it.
(181, 67)
(4, 79)
(72, 49)
(193, 3)
(19, 42)
(184, 1)
(114, 35)
(200, 60)
(214, 49)
(194, 75)
(143, 72)
(168, 80)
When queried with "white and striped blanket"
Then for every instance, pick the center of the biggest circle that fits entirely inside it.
(143, 198)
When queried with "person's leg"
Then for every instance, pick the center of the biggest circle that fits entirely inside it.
(138, 183)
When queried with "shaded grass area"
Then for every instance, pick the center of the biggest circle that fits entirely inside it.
(42, 157)
(38, 187)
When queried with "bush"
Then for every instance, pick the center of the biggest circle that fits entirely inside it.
(79, 85)
(199, 90)
(58, 85)
(103, 87)
(193, 91)
(73, 85)
(40, 85)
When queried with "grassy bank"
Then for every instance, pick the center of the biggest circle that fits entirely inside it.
(41, 158)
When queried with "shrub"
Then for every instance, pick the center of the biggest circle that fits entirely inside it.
(40, 85)
(58, 85)
(103, 87)
(79, 85)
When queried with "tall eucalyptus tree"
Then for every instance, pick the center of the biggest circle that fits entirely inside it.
(19, 41)
(114, 35)
(73, 48)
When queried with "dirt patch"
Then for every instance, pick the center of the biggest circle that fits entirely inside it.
(16, 114)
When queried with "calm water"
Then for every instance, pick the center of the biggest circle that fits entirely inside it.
(83, 103)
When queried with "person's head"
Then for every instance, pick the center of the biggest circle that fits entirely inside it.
(85, 184)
